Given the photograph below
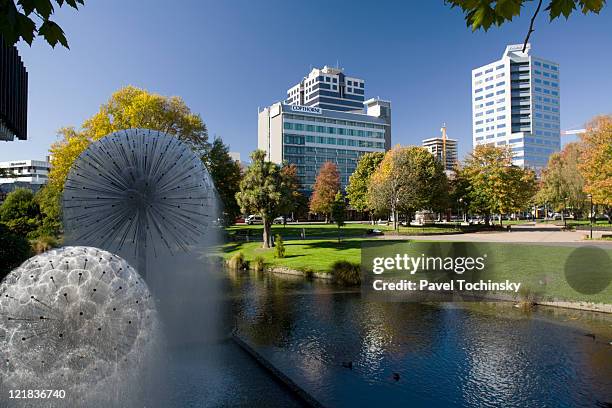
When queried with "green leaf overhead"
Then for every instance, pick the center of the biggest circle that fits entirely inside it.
(482, 14)
(28, 19)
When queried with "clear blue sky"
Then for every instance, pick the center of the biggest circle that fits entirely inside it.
(226, 58)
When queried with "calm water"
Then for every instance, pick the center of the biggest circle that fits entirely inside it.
(422, 355)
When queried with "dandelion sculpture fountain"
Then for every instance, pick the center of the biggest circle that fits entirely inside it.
(74, 319)
(138, 193)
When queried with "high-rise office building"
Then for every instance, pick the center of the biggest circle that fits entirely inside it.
(308, 130)
(515, 102)
(443, 149)
(328, 88)
(13, 94)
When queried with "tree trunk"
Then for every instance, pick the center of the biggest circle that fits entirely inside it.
(501, 220)
(394, 215)
(266, 233)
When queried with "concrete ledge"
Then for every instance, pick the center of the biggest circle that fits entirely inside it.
(279, 375)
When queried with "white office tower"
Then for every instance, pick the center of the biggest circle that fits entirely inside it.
(515, 102)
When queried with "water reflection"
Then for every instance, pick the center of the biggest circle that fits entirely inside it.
(347, 351)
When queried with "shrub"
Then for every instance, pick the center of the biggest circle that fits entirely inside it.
(237, 261)
(258, 264)
(346, 273)
(43, 243)
(308, 273)
(279, 247)
(14, 250)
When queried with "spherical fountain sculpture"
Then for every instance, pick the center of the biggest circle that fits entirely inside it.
(74, 318)
(138, 193)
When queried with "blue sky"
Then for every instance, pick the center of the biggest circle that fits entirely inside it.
(227, 58)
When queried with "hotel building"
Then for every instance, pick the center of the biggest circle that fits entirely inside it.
(516, 103)
(324, 118)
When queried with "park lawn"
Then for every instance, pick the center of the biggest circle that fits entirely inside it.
(540, 268)
(324, 231)
(302, 255)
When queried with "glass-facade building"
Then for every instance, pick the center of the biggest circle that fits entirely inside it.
(309, 136)
(516, 103)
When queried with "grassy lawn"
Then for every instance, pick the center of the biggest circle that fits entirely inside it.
(541, 268)
(325, 231)
(546, 270)
(316, 255)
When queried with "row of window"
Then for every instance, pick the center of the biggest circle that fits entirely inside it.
(547, 66)
(334, 121)
(301, 140)
(333, 130)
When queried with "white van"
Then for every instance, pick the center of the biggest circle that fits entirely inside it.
(253, 219)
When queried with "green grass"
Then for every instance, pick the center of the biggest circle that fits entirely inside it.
(315, 255)
(324, 231)
(526, 263)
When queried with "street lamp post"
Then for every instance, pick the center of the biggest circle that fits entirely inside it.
(591, 214)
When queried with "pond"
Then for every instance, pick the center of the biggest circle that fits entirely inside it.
(345, 351)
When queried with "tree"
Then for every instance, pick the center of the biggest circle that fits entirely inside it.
(14, 249)
(129, 107)
(484, 14)
(47, 199)
(562, 184)
(338, 211)
(325, 188)
(296, 202)
(16, 20)
(357, 189)
(20, 212)
(225, 173)
(495, 185)
(408, 179)
(595, 162)
(263, 191)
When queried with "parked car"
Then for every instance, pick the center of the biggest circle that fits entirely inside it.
(282, 219)
(253, 219)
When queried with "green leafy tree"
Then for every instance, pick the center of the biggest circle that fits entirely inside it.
(338, 211)
(18, 20)
(20, 212)
(14, 249)
(495, 185)
(263, 191)
(408, 179)
(357, 189)
(482, 14)
(225, 173)
(325, 188)
(47, 199)
(562, 185)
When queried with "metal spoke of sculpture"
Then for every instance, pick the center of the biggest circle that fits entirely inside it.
(137, 189)
(72, 317)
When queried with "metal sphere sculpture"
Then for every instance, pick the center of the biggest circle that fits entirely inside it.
(135, 190)
(73, 317)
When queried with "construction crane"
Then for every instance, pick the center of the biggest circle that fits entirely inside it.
(443, 130)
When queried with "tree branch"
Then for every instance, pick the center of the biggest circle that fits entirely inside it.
(531, 30)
